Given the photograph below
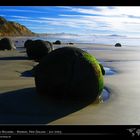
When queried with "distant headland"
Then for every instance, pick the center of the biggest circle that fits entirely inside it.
(10, 28)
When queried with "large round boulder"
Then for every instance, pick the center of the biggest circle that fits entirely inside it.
(69, 73)
(37, 49)
(118, 45)
(27, 43)
(6, 44)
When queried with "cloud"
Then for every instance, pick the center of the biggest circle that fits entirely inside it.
(89, 22)
(31, 21)
(72, 16)
(2, 15)
(20, 17)
(117, 19)
(107, 11)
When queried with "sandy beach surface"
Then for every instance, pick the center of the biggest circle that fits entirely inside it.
(123, 107)
(20, 104)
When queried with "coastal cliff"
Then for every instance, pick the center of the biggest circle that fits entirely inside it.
(10, 28)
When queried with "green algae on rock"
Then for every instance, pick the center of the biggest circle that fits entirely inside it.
(98, 69)
(69, 73)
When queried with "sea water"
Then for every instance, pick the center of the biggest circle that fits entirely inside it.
(84, 39)
(91, 39)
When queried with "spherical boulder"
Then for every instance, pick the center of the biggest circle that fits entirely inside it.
(27, 43)
(37, 49)
(58, 42)
(49, 44)
(118, 45)
(69, 73)
(71, 43)
(6, 44)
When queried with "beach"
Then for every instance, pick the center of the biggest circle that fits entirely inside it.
(20, 104)
(122, 108)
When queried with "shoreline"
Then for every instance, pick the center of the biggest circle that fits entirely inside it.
(22, 40)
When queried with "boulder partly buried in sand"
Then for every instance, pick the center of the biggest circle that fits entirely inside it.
(37, 49)
(6, 44)
(69, 73)
(57, 42)
(118, 45)
(71, 43)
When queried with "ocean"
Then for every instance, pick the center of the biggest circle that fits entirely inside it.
(83, 39)
(91, 39)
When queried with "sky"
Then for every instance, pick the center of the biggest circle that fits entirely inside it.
(91, 20)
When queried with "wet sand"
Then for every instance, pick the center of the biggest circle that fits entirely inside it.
(123, 106)
(20, 104)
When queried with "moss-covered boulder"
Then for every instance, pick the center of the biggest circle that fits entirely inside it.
(37, 49)
(7, 44)
(69, 73)
(118, 45)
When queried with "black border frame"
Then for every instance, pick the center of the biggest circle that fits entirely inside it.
(95, 130)
(69, 2)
